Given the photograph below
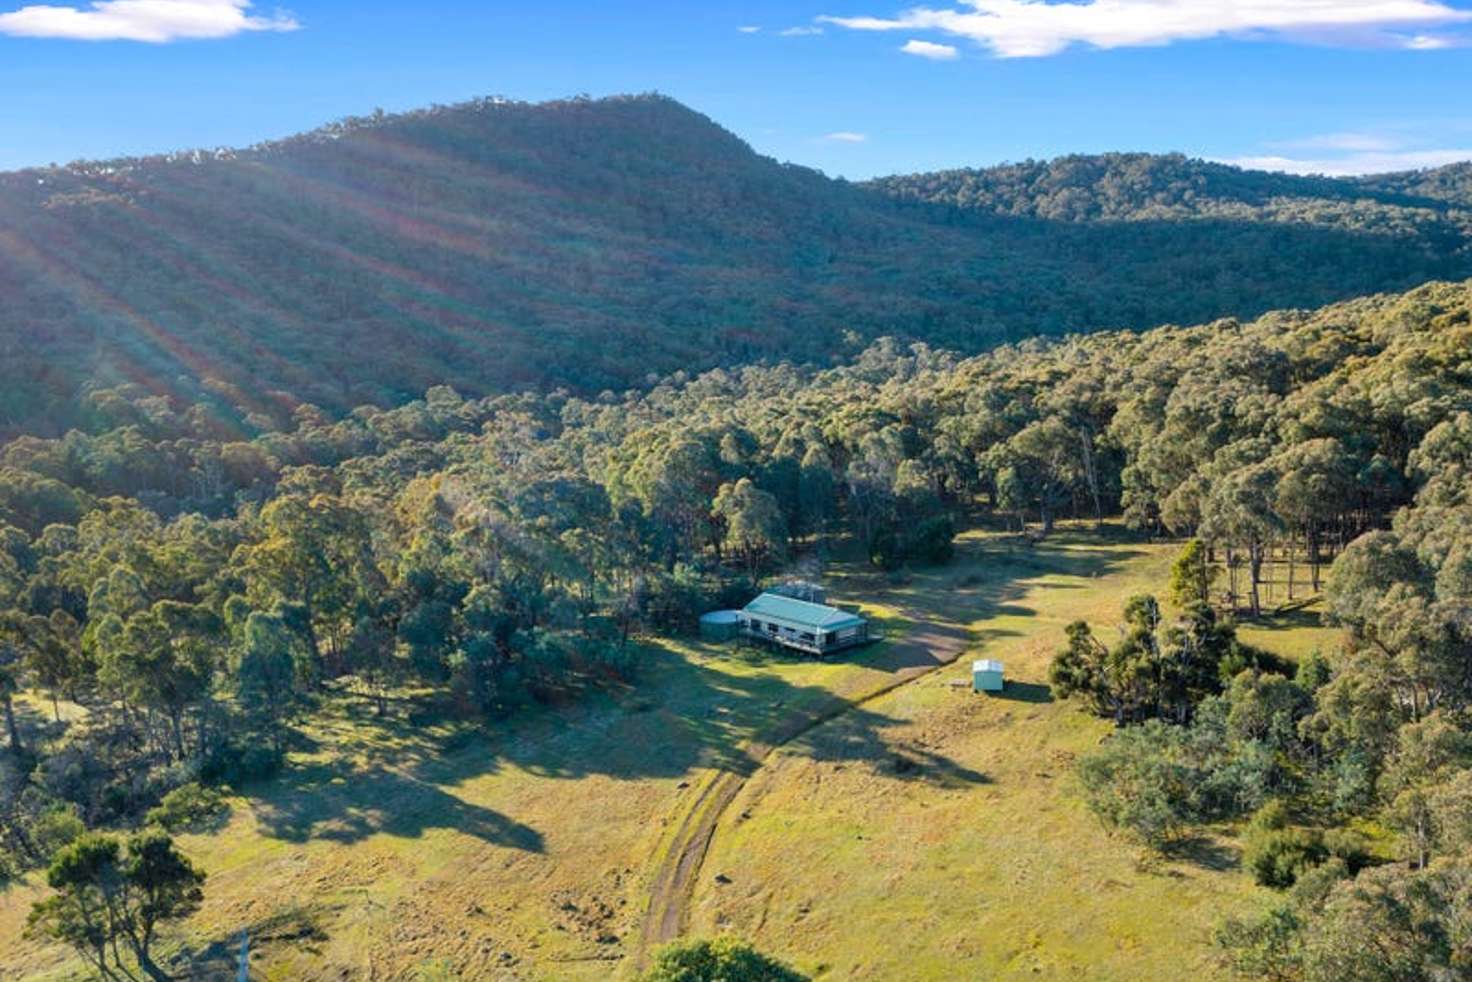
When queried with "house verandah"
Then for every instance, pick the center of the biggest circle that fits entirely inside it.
(800, 625)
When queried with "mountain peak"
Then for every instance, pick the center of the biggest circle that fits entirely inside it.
(585, 243)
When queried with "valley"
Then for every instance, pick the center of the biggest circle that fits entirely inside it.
(533, 850)
(364, 495)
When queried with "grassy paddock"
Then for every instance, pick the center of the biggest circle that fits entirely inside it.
(926, 833)
(948, 842)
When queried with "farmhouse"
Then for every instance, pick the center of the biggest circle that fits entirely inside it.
(800, 624)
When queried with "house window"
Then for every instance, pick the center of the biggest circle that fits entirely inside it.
(771, 628)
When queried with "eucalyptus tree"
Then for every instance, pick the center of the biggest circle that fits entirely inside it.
(10, 683)
(754, 527)
(1238, 514)
(1046, 467)
(1315, 489)
(314, 550)
(111, 896)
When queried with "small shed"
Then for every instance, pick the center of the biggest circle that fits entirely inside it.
(987, 676)
(720, 625)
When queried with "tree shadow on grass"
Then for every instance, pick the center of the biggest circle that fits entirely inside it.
(1012, 610)
(1288, 620)
(1030, 692)
(1204, 852)
(988, 576)
(380, 775)
(403, 773)
(37, 725)
(297, 926)
(858, 737)
(339, 803)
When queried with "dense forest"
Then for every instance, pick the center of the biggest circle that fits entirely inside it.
(499, 247)
(1140, 187)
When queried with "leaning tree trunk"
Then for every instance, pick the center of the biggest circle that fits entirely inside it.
(146, 962)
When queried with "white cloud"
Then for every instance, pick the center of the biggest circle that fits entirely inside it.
(1428, 42)
(931, 50)
(847, 136)
(1354, 164)
(154, 21)
(1403, 147)
(749, 29)
(1033, 28)
(801, 32)
(1344, 142)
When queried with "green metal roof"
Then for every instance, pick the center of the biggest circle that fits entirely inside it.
(801, 612)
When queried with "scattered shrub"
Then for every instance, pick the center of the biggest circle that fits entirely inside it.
(187, 807)
(1139, 781)
(1276, 853)
(723, 960)
(1279, 857)
(934, 540)
(55, 829)
(1350, 848)
(1264, 947)
(237, 765)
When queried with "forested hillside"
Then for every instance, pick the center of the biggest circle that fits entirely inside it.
(585, 244)
(1138, 187)
(192, 600)
(195, 590)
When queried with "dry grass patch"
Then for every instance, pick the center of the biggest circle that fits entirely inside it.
(948, 842)
(927, 832)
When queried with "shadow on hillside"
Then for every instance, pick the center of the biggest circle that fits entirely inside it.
(858, 737)
(399, 775)
(338, 803)
(1288, 620)
(1030, 692)
(1206, 853)
(294, 925)
(36, 723)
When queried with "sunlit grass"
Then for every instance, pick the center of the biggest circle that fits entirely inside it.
(949, 842)
(524, 847)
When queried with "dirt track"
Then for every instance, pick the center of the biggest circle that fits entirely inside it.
(673, 881)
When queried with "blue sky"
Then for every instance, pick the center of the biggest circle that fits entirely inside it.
(854, 87)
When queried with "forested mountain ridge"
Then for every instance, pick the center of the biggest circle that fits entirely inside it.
(1452, 183)
(1143, 187)
(586, 244)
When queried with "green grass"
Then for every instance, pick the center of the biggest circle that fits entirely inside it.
(929, 833)
(1294, 634)
(940, 838)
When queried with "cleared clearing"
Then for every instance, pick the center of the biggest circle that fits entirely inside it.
(923, 833)
(939, 838)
